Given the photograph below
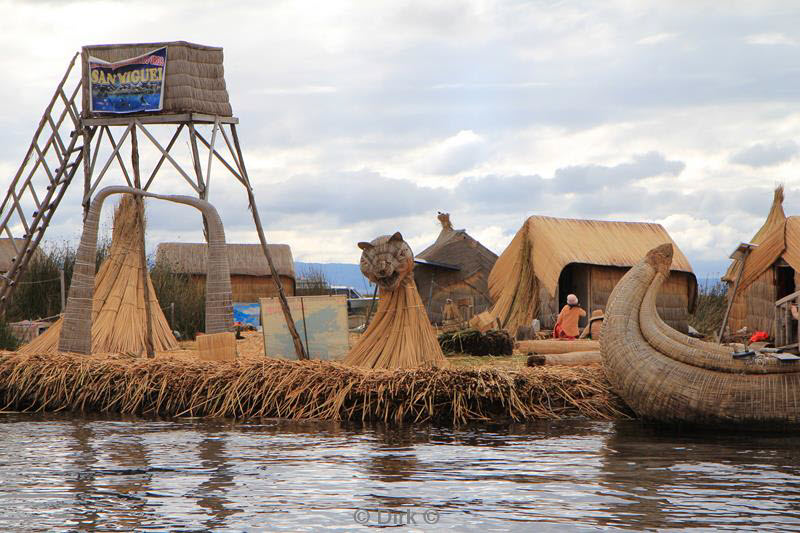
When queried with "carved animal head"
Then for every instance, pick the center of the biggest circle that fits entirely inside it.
(387, 260)
(444, 220)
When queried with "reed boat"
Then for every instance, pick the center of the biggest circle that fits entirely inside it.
(666, 376)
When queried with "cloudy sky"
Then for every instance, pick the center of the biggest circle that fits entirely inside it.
(364, 118)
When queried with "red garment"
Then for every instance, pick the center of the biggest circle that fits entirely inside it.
(759, 336)
(558, 333)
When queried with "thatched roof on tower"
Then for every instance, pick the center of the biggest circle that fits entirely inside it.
(194, 81)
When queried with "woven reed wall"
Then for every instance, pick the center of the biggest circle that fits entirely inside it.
(454, 292)
(245, 259)
(450, 284)
(250, 288)
(548, 309)
(194, 80)
(754, 307)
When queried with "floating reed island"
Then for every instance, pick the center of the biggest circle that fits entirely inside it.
(172, 387)
(396, 372)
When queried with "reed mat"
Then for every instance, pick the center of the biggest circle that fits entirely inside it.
(247, 388)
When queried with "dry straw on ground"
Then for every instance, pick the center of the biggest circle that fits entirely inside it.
(307, 389)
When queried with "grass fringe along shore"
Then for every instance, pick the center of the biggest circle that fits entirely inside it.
(300, 390)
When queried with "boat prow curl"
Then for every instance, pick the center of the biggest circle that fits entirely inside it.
(667, 376)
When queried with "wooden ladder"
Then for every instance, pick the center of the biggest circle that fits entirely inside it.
(37, 189)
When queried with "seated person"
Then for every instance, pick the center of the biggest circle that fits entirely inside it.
(594, 327)
(567, 322)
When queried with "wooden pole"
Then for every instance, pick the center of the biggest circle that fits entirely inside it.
(87, 171)
(198, 170)
(371, 305)
(63, 289)
(733, 296)
(305, 328)
(137, 183)
(287, 314)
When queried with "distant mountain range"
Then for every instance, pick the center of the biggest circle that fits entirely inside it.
(337, 274)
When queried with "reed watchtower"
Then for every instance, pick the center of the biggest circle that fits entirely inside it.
(165, 95)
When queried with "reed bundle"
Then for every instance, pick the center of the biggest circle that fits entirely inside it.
(167, 386)
(118, 308)
(548, 346)
(400, 335)
(567, 359)
(473, 342)
(513, 285)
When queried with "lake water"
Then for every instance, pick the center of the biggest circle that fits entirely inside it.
(65, 473)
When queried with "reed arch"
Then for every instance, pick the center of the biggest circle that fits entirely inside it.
(76, 334)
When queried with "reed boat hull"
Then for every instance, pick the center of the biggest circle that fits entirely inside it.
(666, 376)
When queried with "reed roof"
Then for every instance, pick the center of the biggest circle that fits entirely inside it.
(557, 242)
(441, 249)
(769, 231)
(782, 242)
(450, 244)
(778, 238)
(243, 259)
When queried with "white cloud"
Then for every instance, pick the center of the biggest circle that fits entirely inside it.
(365, 118)
(306, 89)
(657, 38)
(455, 154)
(699, 238)
(770, 39)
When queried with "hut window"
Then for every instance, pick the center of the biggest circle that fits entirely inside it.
(784, 281)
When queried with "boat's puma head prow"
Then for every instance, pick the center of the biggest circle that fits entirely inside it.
(660, 258)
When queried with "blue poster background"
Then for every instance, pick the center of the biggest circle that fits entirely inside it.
(129, 86)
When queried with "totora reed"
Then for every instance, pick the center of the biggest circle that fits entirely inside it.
(173, 387)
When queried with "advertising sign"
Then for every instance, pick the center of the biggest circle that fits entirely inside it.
(130, 86)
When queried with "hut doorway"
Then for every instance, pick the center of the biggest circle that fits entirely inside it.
(574, 279)
(784, 281)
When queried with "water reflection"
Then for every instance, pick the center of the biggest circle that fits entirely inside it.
(212, 494)
(128, 474)
(664, 478)
(81, 479)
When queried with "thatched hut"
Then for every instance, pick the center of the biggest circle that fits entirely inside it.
(250, 274)
(550, 258)
(770, 271)
(455, 267)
